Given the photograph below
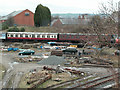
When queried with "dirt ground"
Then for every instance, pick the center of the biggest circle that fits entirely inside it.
(2, 71)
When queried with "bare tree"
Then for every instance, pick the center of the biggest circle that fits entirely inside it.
(10, 21)
(109, 25)
(110, 10)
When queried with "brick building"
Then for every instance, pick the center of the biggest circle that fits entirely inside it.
(21, 17)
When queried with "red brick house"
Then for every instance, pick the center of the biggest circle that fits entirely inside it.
(56, 23)
(21, 17)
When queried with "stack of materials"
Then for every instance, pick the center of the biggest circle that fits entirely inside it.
(52, 60)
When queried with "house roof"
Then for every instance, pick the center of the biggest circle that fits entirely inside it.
(70, 21)
(53, 21)
(14, 13)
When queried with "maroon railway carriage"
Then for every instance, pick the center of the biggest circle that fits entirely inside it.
(71, 37)
(78, 37)
(31, 36)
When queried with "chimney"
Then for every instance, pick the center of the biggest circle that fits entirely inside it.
(83, 16)
(79, 17)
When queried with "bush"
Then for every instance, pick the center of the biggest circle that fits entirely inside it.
(14, 29)
(4, 26)
(22, 29)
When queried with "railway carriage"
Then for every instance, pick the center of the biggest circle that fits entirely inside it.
(31, 36)
(68, 37)
(76, 37)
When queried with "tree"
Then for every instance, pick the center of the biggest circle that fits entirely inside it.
(42, 16)
(108, 25)
(4, 26)
(110, 9)
(10, 21)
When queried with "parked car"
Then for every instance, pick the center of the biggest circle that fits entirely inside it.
(26, 52)
(70, 50)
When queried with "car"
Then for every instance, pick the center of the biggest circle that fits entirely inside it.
(70, 50)
(26, 52)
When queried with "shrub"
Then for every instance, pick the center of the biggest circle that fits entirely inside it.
(22, 29)
(14, 29)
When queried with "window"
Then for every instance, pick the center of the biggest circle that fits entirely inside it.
(72, 37)
(48, 36)
(43, 36)
(11, 35)
(61, 36)
(16, 35)
(77, 36)
(67, 37)
(33, 35)
(26, 35)
(51, 36)
(21, 35)
(27, 13)
(38, 36)
(55, 36)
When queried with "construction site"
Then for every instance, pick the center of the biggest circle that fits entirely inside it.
(50, 67)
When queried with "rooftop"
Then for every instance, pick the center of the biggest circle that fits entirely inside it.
(14, 13)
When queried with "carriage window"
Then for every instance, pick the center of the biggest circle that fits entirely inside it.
(52, 36)
(11, 35)
(48, 36)
(72, 37)
(33, 36)
(62, 36)
(16, 35)
(77, 36)
(67, 37)
(55, 36)
(38, 36)
(21, 35)
(43, 36)
(26, 35)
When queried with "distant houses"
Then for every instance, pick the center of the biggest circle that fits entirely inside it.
(26, 18)
(21, 17)
(81, 20)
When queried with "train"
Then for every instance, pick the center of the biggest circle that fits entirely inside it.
(64, 37)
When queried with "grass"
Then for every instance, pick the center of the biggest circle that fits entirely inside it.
(23, 83)
(40, 29)
(2, 71)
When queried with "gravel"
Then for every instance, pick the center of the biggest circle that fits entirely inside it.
(52, 60)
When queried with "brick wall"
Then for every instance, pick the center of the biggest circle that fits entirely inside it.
(22, 19)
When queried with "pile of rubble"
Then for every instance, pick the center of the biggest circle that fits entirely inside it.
(37, 78)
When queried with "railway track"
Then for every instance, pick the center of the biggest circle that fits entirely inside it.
(96, 83)
(72, 84)
(69, 82)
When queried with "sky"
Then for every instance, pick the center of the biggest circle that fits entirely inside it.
(55, 6)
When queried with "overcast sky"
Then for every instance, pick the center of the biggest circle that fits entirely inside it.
(56, 6)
